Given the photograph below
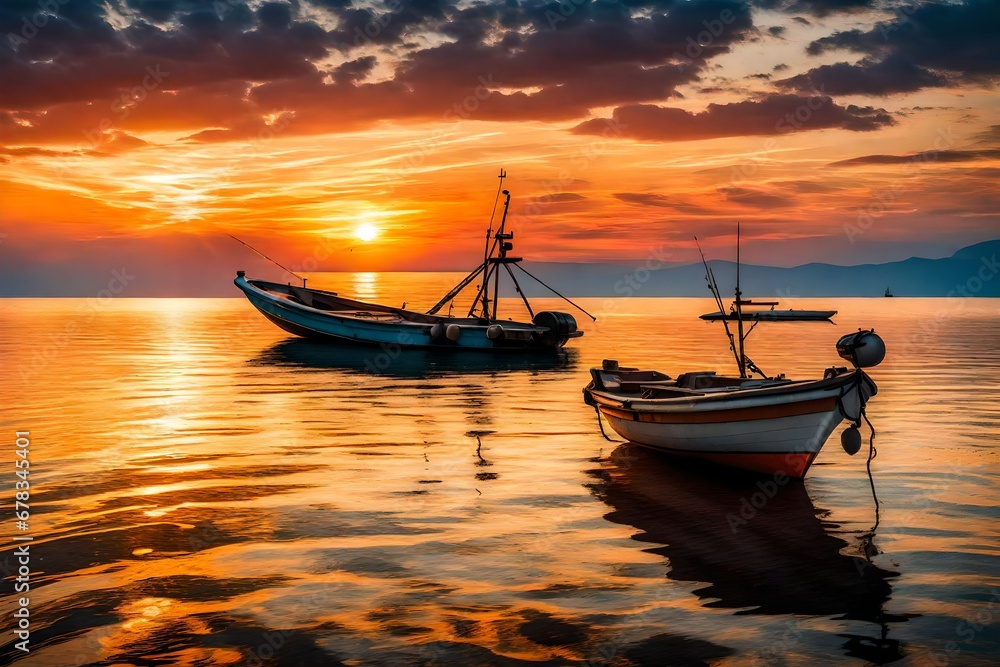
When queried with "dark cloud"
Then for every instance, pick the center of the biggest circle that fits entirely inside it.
(922, 157)
(820, 8)
(894, 74)
(775, 114)
(756, 198)
(991, 136)
(275, 15)
(802, 20)
(823, 8)
(777, 30)
(780, 67)
(564, 197)
(354, 70)
(660, 201)
(551, 63)
(929, 44)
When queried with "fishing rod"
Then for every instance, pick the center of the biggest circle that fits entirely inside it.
(276, 263)
(713, 286)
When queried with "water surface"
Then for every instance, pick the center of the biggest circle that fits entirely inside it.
(207, 490)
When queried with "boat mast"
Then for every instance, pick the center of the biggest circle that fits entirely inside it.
(742, 361)
(487, 251)
(713, 287)
(495, 255)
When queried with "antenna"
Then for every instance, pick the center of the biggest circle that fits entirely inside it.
(739, 308)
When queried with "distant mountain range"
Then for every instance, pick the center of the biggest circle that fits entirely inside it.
(204, 271)
(972, 271)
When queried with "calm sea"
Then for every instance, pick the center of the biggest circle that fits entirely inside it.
(206, 490)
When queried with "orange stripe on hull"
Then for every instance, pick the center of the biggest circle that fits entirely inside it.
(724, 416)
(793, 464)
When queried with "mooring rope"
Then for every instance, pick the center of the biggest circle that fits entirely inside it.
(872, 453)
(601, 424)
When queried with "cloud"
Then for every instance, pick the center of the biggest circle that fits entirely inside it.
(660, 201)
(774, 114)
(894, 74)
(990, 136)
(433, 55)
(756, 197)
(928, 45)
(819, 8)
(922, 157)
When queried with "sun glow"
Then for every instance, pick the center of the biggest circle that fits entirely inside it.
(366, 232)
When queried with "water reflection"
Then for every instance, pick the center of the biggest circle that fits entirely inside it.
(760, 547)
(404, 363)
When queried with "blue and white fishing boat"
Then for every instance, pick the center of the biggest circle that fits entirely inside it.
(325, 315)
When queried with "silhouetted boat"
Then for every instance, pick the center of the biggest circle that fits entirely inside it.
(324, 315)
(770, 315)
(759, 547)
(887, 292)
(769, 425)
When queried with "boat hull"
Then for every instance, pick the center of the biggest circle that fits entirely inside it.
(776, 430)
(385, 327)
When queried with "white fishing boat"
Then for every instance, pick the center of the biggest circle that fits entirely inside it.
(324, 315)
(769, 425)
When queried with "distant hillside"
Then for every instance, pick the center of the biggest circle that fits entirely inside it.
(972, 271)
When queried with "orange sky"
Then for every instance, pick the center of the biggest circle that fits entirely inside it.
(138, 135)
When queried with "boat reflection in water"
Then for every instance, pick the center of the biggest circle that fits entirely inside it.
(393, 361)
(778, 559)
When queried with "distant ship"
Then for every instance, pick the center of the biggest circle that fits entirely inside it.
(887, 292)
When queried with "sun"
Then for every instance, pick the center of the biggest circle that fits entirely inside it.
(366, 232)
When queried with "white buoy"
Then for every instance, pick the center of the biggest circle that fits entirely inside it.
(494, 331)
(453, 332)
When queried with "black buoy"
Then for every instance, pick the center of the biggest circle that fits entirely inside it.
(850, 440)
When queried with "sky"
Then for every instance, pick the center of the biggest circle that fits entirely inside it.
(367, 135)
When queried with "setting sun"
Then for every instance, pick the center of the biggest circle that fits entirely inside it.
(366, 232)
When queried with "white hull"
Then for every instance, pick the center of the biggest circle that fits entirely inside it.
(780, 427)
